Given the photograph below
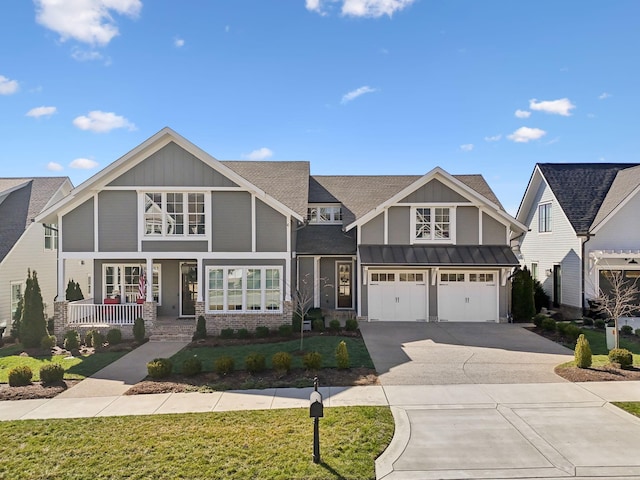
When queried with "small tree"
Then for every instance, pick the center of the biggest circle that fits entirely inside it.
(620, 301)
(33, 325)
(73, 291)
(582, 353)
(303, 302)
(522, 301)
(15, 326)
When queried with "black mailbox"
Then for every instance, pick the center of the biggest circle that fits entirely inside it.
(316, 409)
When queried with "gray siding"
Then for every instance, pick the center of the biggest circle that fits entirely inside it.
(434, 191)
(77, 229)
(271, 229)
(172, 166)
(117, 221)
(305, 270)
(328, 283)
(174, 246)
(493, 232)
(170, 288)
(467, 227)
(373, 231)
(433, 299)
(399, 225)
(231, 218)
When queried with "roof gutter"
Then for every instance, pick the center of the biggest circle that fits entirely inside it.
(587, 237)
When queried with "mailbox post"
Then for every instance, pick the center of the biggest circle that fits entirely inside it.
(316, 411)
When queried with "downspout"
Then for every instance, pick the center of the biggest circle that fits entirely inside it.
(582, 274)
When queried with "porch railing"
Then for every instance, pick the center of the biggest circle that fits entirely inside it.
(84, 312)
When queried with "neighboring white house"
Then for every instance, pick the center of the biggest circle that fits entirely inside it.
(583, 223)
(25, 244)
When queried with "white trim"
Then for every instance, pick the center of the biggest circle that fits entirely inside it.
(96, 224)
(361, 281)
(385, 223)
(316, 281)
(617, 208)
(452, 225)
(153, 188)
(480, 227)
(119, 280)
(254, 226)
(318, 206)
(176, 255)
(149, 268)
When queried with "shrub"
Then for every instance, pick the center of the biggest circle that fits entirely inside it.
(88, 338)
(139, 330)
(262, 332)
(587, 322)
(48, 342)
(159, 368)
(540, 297)
(599, 323)
(548, 325)
(312, 361)
(114, 336)
(637, 332)
(191, 366)
(20, 376)
(314, 314)
(626, 330)
(582, 353)
(243, 333)
(561, 327)
(334, 325)
(201, 328)
(572, 332)
(97, 340)
(71, 340)
(318, 325)
(281, 361)
(255, 363)
(224, 365)
(622, 356)
(351, 325)
(33, 325)
(51, 326)
(537, 320)
(296, 322)
(285, 330)
(51, 373)
(342, 356)
(226, 333)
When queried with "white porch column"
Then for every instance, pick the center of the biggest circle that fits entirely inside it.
(149, 274)
(61, 286)
(201, 272)
(316, 282)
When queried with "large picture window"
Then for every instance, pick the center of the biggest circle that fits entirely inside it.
(173, 214)
(244, 289)
(544, 218)
(433, 224)
(124, 280)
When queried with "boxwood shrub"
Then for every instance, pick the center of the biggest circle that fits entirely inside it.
(224, 365)
(622, 356)
(51, 373)
(159, 368)
(191, 366)
(20, 376)
(255, 363)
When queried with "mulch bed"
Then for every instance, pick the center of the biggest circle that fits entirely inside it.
(34, 391)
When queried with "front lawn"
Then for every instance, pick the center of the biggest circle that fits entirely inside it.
(598, 343)
(273, 444)
(631, 407)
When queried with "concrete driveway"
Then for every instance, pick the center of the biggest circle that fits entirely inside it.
(413, 353)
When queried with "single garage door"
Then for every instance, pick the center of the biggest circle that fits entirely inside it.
(468, 296)
(397, 296)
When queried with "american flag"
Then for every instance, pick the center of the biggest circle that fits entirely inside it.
(142, 286)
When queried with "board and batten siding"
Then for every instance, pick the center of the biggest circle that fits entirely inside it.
(117, 221)
(467, 226)
(372, 232)
(231, 218)
(493, 232)
(399, 225)
(561, 247)
(77, 229)
(434, 191)
(271, 229)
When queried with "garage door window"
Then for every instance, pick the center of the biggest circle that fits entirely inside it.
(452, 277)
(412, 277)
(383, 277)
(481, 277)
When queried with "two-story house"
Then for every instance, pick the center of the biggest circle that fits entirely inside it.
(172, 232)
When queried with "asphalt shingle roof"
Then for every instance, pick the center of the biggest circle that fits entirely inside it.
(325, 240)
(623, 185)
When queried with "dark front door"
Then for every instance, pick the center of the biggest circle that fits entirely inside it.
(189, 289)
(345, 298)
(557, 285)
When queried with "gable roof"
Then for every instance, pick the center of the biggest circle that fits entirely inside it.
(22, 200)
(626, 182)
(581, 188)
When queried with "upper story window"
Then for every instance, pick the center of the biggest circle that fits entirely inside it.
(544, 217)
(324, 214)
(50, 236)
(433, 224)
(171, 214)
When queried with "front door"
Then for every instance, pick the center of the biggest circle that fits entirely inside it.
(345, 298)
(189, 289)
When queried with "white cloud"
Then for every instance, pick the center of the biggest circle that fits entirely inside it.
(87, 21)
(101, 122)
(604, 96)
(563, 106)
(85, 55)
(467, 147)
(54, 167)
(314, 6)
(179, 42)
(493, 138)
(353, 94)
(41, 112)
(526, 134)
(360, 8)
(259, 154)
(522, 113)
(7, 87)
(83, 164)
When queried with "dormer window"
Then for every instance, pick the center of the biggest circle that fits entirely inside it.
(325, 214)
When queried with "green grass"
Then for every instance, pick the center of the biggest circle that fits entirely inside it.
(325, 345)
(76, 368)
(274, 444)
(631, 407)
(598, 343)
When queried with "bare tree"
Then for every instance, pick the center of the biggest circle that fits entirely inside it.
(620, 301)
(303, 297)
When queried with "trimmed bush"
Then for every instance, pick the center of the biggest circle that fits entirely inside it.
(139, 330)
(255, 363)
(587, 322)
(285, 330)
(51, 373)
(582, 353)
(88, 338)
(334, 325)
(622, 356)
(191, 366)
(626, 330)
(281, 361)
(537, 320)
(342, 356)
(243, 333)
(561, 327)
(226, 333)
(599, 323)
(48, 342)
(71, 340)
(312, 361)
(20, 376)
(97, 340)
(351, 325)
(224, 365)
(159, 368)
(315, 314)
(114, 336)
(262, 332)
(318, 325)
(548, 325)
(201, 328)
(572, 332)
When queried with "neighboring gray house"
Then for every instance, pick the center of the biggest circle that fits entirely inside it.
(582, 221)
(173, 233)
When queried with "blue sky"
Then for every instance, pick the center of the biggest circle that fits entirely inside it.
(353, 86)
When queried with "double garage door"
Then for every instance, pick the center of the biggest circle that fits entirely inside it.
(462, 296)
